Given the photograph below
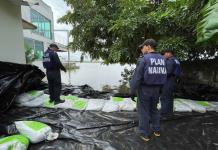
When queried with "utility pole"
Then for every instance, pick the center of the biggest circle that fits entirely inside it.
(68, 50)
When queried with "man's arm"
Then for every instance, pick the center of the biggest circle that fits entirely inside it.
(58, 62)
(138, 76)
(170, 65)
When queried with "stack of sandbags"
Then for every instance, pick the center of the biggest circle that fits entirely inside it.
(213, 106)
(209, 106)
(193, 105)
(39, 99)
(119, 104)
(73, 102)
(95, 104)
(181, 107)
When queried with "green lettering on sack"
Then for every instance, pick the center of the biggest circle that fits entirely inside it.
(71, 97)
(80, 104)
(33, 93)
(203, 103)
(117, 99)
(48, 104)
(21, 138)
(36, 126)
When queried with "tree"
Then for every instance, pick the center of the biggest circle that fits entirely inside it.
(113, 29)
(207, 29)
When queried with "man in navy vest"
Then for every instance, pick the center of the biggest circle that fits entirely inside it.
(167, 94)
(147, 80)
(53, 65)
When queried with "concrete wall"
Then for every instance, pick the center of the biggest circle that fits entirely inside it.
(46, 11)
(11, 33)
(201, 72)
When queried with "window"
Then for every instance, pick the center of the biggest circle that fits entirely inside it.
(39, 49)
(43, 24)
(29, 43)
(36, 46)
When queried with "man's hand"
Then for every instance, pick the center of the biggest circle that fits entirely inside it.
(133, 98)
(64, 69)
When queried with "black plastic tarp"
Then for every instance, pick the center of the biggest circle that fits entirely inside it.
(84, 130)
(83, 91)
(15, 79)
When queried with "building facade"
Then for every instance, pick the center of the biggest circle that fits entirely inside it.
(11, 32)
(41, 16)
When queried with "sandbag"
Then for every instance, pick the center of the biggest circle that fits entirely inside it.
(127, 105)
(15, 142)
(79, 104)
(181, 107)
(70, 97)
(48, 104)
(66, 105)
(36, 102)
(214, 105)
(74, 102)
(95, 104)
(110, 106)
(193, 105)
(26, 97)
(35, 131)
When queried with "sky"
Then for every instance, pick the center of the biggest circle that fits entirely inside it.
(59, 8)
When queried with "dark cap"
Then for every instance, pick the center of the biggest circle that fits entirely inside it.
(168, 50)
(53, 45)
(149, 42)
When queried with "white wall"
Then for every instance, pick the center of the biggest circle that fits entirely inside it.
(11, 33)
(46, 11)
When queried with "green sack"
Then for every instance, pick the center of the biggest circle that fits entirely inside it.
(71, 97)
(48, 104)
(79, 104)
(35, 131)
(15, 142)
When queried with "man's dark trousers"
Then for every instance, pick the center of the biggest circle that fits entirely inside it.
(149, 116)
(167, 97)
(54, 84)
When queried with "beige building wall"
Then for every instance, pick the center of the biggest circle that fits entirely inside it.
(11, 33)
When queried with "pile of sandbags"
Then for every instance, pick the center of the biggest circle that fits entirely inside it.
(181, 107)
(30, 131)
(184, 105)
(119, 104)
(39, 99)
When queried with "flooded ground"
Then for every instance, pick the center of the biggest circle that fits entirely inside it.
(94, 74)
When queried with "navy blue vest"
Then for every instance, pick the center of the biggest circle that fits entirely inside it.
(47, 60)
(155, 72)
(177, 70)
